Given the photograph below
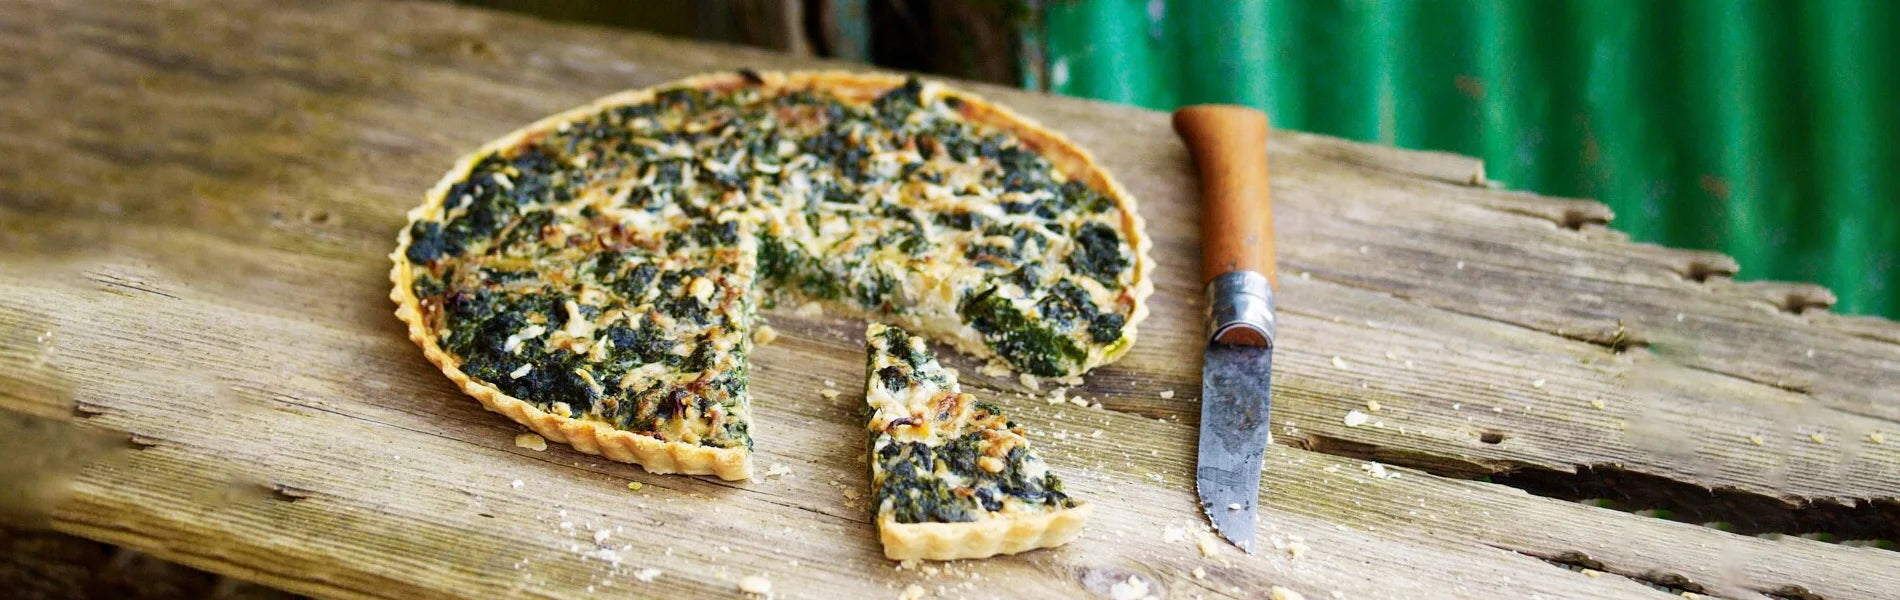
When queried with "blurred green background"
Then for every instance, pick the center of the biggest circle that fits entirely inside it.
(1763, 129)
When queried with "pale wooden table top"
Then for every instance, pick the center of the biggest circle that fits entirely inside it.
(197, 205)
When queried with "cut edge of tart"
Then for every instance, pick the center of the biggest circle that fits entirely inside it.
(733, 463)
(951, 477)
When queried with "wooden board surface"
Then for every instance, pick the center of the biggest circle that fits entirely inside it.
(197, 205)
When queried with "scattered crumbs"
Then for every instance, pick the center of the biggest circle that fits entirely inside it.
(1876, 438)
(1079, 401)
(756, 585)
(1374, 405)
(1234, 506)
(1539, 384)
(1132, 589)
(778, 470)
(1592, 573)
(831, 384)
(1354, 418)
(1295, 548)
(931, 570)
(1208, 544)
(829, 394)
(1497, 409)
(601, 535)
(1818, 438)
(765, 334)
(646, 575)
(1098, 433)
(1457, 406)
(1331, 468)
(1596, 404)
(1340, 363)
(908, 564)
(912, 592)
(1390, 356)
(1756, 440)
(531, 441)
(1167, 394)
(850, 494)
(1030, 381)
(1172, 534)
(515, 484)
(726, 549)
(635, 485)
(809, 309)
(1280, 593)
(1200, 573)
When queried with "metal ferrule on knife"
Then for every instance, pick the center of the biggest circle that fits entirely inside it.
(1240, 309)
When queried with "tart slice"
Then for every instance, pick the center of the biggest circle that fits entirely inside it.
(952, 478)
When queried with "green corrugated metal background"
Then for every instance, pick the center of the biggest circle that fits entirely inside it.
(1767, 130)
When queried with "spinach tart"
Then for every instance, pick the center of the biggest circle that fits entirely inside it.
(596, 275)
(951, 477)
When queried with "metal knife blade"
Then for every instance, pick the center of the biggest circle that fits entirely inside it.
(1234, 437)
(1229, 147)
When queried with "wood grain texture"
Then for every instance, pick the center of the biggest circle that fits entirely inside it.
(197, 205)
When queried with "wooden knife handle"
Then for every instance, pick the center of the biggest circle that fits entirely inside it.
(1229, 146)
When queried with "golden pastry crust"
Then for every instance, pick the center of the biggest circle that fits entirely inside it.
(1008, 534)
(663, 456)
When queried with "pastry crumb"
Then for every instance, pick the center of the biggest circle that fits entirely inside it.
(1132, 589)
(1173, 534)
(994, 368)
(1756, 440)
(515, 484)
(1167, 394)
(756, 585)
(635, 485)
(912, 592)
(829, 394)
(765, 334)
(1280, 593)
(1596, 404)
(1539, 384)
(778, 470)
(1876, 438)
(1817, 438)
(1374, 405)
(1340, 363)
(831, 384)
(1378, 470)
(531, 441)
(646, 575)
(1355, 418)
(1592, 573)
(1208, 545)
(1030, 381)
(1295, 548)
(1200, 573)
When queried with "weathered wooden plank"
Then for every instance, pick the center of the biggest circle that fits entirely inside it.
(199, 222)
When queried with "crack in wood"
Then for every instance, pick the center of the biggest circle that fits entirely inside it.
(1864, 521)
(1576, 561)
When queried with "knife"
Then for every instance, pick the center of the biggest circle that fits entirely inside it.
(1229, 146)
